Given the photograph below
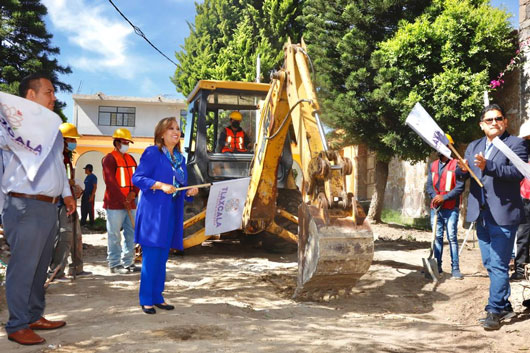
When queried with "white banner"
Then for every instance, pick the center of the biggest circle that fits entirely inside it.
(521, 165)
(226, 201)
(30, 130)
(421, 122)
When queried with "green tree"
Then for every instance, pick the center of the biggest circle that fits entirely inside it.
(228, 35)
(445, 60)
(342, 36)
(25, 46)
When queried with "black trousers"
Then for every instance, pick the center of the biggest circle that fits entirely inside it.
(523, 240)
(87, 208)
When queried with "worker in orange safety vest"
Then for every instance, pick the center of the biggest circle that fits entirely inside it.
(119, 203)
(445, 189)
(233, 138)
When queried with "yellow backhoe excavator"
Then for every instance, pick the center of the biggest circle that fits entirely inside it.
(335, 243)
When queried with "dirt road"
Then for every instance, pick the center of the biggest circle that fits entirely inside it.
(234, 299)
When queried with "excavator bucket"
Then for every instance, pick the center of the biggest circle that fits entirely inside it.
(333, 253)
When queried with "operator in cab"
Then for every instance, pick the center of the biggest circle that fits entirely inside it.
(233, 139)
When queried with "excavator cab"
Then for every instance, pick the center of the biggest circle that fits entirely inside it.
(210, 104)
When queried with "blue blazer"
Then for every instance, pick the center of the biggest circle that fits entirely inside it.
(501, 182)
(159, 217)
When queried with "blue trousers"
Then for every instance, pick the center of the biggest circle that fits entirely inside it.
(118, 254)
(496, 245)
(30, 227)
(153, 275)
(448, 221)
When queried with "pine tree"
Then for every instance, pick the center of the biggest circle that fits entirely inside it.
(25, 46)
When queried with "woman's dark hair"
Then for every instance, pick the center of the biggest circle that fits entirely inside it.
(491, 107)
(162, 126)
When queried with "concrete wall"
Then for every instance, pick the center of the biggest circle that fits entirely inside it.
(405, 189)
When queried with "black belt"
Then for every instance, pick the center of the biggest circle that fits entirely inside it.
(35, 197)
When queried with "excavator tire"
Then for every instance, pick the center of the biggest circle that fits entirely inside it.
(331, 256)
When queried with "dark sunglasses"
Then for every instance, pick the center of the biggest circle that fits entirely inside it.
(490, 120)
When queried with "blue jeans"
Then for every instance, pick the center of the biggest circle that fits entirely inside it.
(116, 253)
(448, 221)
(496, 245)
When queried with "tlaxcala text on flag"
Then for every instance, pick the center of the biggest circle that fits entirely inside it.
(30, 131)
(224, 209)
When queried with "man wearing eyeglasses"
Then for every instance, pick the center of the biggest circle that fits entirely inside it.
(119, 202)
(496, 208)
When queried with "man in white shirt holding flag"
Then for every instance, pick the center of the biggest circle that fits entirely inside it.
(32, 179)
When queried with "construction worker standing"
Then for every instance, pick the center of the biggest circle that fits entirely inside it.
(233, 138)
(65, 243)
(445, 190)
(119, 202)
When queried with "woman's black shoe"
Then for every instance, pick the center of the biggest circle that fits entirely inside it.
(148, 310)
(165, 306)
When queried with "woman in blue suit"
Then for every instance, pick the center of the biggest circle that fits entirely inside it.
(160, 214)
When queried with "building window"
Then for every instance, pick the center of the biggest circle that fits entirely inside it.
(116, 116)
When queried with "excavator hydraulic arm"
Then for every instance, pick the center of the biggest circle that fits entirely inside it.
(335, 243)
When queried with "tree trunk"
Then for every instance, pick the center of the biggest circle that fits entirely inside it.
(376, 206)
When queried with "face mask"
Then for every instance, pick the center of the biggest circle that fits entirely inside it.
(235, 124)
(71, 146)
(124, 148)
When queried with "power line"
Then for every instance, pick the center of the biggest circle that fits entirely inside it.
(138, 31)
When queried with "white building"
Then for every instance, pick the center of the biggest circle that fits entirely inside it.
(98, 114)
(96, 117)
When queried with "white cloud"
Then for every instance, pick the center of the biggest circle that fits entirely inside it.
(103, 40)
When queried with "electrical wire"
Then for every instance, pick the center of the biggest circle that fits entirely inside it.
(139, 32)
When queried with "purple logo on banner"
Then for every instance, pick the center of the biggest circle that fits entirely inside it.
(10, 120)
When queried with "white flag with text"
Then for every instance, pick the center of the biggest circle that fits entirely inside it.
(226, 201)
(29, 129)
(522, 166)
(421, 122)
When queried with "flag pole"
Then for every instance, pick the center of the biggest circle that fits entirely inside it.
(194, 186)
(462, 160)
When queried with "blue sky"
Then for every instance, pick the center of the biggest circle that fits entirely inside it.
(105, 54)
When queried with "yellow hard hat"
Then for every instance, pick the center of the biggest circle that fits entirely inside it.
(235, 115)
(69, 130)
(122, 133)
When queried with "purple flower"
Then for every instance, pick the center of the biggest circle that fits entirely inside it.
(496, 83)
